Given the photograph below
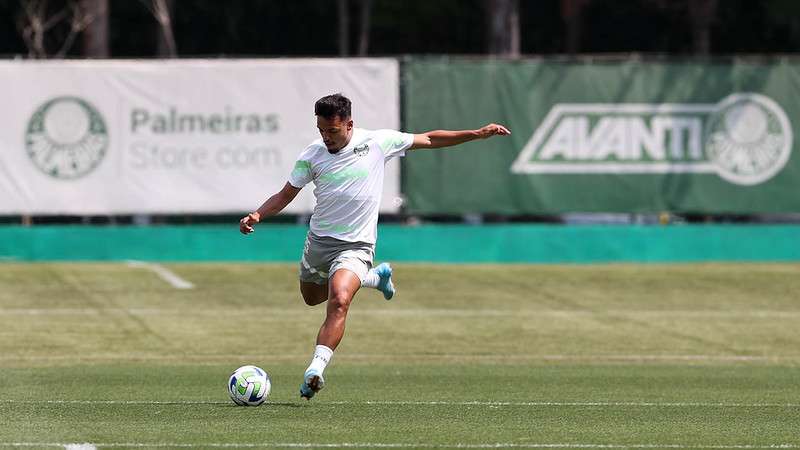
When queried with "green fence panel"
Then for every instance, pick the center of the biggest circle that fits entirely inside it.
(615, 136)
(428, 243)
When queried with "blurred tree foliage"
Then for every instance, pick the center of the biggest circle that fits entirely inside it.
(309, 27)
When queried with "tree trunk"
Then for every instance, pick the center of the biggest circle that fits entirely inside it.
(363, 36)
(33, 26)
(344, 27)
(37, 21)
(95, 36)
(163, 11)
(504, 35)
(571, 14)
(702, 13)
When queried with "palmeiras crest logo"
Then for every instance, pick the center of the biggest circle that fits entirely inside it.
(745, 139)
(748, 138)
(361, 150)
(66, 138)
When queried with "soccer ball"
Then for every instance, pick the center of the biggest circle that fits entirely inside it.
(249, 386)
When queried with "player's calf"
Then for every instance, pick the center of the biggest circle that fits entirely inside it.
(313, 294)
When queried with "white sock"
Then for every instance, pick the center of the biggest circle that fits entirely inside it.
(322, 356)
(371, 280)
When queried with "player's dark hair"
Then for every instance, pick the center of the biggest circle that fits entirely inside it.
(333, 105)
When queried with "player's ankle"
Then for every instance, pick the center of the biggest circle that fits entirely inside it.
(371, 280)
(322, 356)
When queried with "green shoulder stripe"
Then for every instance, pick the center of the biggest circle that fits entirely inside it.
(302, 165)
(302, 169)
(391, 141)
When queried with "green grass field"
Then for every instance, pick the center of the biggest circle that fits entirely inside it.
(612, 356)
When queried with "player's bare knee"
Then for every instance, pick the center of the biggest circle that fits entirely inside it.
(339, 302)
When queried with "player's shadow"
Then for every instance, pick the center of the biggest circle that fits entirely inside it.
(269, 405)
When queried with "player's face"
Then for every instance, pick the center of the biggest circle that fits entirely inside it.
(335, 131)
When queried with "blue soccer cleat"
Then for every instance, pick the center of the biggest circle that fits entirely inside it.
(385, 285)
(312, 383)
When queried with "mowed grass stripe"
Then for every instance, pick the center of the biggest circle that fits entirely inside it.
(249, 309)
(594, 288)
(491, 313)
(395, 403)
(421, 403)
(214, 359)
(397, 445)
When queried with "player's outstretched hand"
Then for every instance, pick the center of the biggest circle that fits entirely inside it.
(493, 129)
(247, 222)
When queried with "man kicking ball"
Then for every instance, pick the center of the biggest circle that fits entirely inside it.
(347, 167)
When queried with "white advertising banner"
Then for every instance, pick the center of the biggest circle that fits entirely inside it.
(188, 136)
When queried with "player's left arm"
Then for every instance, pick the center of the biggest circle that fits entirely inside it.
(448, 138)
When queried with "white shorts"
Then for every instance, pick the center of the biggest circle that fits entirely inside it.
(323, 256)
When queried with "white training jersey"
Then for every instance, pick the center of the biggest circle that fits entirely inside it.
(349, 183)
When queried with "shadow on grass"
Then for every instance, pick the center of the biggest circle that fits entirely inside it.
(266, 405)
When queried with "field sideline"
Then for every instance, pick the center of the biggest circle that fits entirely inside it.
(466, 356)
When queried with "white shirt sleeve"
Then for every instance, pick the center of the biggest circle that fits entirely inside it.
(301, 174)
(393, 143)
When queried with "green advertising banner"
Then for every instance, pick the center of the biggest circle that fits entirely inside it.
(606, 136)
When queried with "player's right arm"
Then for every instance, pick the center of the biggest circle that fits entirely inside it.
(272, 206)
(449, 138)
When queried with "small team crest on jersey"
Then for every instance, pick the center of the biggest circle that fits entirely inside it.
(361, 150)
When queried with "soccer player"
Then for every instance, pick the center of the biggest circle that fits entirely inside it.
(346, 166)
